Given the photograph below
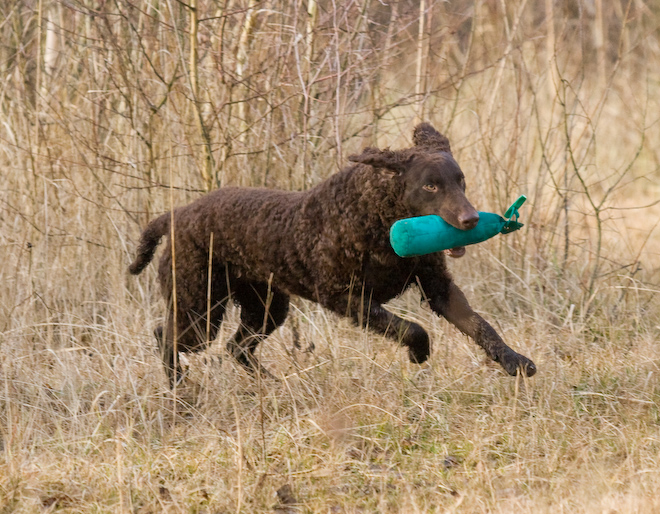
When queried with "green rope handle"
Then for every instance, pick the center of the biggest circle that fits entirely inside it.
(512, 214)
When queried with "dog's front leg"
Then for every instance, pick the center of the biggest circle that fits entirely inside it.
(455, 308)
(374, 316)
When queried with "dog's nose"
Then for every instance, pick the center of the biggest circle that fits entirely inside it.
(468, 220)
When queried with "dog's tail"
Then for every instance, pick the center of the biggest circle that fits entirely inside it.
(149, 241)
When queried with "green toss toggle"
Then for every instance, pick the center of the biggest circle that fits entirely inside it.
(427, 234)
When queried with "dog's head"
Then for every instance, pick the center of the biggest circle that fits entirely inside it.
(432, 181)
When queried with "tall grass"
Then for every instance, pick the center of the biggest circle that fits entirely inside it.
(112, 112)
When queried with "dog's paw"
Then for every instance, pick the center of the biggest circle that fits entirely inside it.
(418, 344)
(514, 363)
(419, 354)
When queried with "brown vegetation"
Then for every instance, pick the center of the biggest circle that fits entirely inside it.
(114, 111)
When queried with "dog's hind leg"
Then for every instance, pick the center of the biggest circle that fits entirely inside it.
(262, 311)
(166, 350)
(193, 334)
(199, 311)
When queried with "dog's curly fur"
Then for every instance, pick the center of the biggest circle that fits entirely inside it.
(329, 244)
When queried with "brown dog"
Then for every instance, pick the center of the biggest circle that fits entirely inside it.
(329, 244)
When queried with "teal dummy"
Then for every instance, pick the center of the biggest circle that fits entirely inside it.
(428, 234)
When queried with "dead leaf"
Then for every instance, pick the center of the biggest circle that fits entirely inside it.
(164, 493)
(285, 495)
(287, 501)
(57, 501)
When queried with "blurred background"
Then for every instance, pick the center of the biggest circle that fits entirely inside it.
(114, 111)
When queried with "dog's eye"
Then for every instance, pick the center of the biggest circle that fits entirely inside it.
(431, 188)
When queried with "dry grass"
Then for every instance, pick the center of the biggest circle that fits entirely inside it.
(104, 122)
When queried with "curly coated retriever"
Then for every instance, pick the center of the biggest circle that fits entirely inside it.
(329, 244)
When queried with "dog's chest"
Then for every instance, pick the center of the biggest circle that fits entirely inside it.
(388, 275)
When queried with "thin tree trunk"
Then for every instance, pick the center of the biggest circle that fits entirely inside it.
(599, 41)
(207, 165)
(312, 16)
(241, 65)
(550, 43)
(312, 13)
(51, 47)
(37, 85)
(420, 61)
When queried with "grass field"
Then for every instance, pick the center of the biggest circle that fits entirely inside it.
(113, 112)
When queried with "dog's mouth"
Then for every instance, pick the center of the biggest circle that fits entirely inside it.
(456, 252)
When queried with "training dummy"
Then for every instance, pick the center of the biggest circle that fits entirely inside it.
(428, 234)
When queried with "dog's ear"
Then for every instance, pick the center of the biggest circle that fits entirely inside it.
(393, 161)
(426, 136)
